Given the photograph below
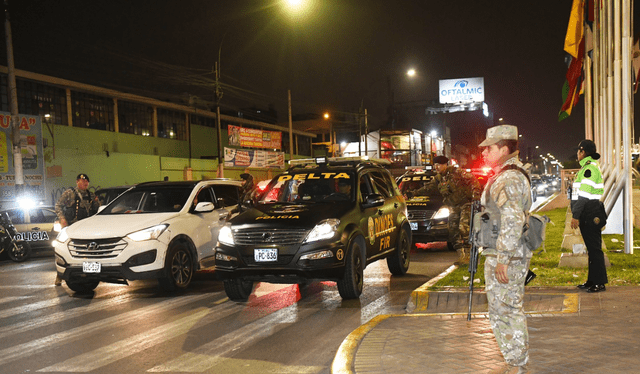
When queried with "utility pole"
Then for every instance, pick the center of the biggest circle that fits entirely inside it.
(290, 127)
(218, 122)
(15, 121)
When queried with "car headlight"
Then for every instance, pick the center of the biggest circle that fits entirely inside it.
(225, 236)
(62, 235)
(441, 213)
(57, 227)
(324, 230)
(147, 234)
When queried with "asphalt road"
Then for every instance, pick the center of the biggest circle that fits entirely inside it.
(139, 329)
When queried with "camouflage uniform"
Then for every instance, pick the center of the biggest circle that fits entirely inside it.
(511, 193)
(88, 206)
(458, 188)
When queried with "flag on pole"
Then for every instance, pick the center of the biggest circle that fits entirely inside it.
(575, 30)
(574, 44)
(572, 86)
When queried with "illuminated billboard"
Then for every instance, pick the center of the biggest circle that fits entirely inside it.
(461, 90)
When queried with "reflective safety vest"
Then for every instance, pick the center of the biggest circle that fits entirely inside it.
(590, 187)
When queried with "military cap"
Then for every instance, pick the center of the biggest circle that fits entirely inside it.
(497, 133)
(82, 176)
(440, 160)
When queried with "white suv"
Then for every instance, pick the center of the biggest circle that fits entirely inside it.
(163, 230)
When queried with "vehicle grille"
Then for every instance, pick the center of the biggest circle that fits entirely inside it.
(420, 215)
(96, 248)
(277, 237)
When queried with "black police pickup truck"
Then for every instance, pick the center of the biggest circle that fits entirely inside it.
(323, 219)
(428, 216)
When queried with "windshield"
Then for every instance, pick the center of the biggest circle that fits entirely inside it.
(416, 185)
(310, 187)
(156, 199)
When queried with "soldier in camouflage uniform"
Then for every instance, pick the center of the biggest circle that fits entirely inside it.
(76, 204)
(458, 188)
(507, 264)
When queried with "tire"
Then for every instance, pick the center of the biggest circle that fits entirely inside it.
(19, 251)
(82, 286)
(178, 268)
(238, 289)
(399, 261)
(450, 246)
(352, 282)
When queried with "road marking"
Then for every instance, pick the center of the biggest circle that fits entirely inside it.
(210, 354)
(62, 316)
(106, 355)
(54, 340)
(57, 301)
(10, 299)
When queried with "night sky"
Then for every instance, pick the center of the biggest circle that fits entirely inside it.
(336, 55)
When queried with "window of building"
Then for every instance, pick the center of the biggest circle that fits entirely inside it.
(48, 102)
(91, 111)
(171, 124)
(37, 99)
(135, 118)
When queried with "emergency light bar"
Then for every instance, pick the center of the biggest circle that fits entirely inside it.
(326, 160)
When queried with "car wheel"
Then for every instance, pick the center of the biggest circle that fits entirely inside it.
(178, 268)
(399, 261)
(19, 251)
(450, 246)
(350, 286)
(238, 289)
(82, 286)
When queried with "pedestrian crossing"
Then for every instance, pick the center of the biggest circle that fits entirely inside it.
(177, 316)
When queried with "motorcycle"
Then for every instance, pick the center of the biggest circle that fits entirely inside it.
(17, 250)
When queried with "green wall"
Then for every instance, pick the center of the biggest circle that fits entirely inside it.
(131, 159)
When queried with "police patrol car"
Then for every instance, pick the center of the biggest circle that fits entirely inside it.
(323, 219)
(428, 216)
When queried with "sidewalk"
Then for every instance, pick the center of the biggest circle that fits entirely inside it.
(570, 331)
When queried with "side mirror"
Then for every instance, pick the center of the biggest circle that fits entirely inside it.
(221, 202)
(248, 203)
(204, 207)
(373, 200)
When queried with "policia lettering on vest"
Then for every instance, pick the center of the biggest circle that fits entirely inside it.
(587, 213)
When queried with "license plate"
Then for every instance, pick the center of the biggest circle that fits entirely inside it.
(265, 255)
(91, 267)
(414, 226)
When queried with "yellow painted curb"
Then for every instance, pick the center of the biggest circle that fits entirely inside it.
(343, 362)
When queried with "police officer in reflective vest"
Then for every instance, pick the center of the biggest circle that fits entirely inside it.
(586, 193)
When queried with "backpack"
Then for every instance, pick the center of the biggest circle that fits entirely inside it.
(533, 231)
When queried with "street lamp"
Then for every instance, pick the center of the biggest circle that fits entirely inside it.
(327, 116)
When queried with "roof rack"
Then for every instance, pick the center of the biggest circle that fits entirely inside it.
(337, 160)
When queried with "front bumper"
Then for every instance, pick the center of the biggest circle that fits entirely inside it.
(138, 260)
(289, 268)
(431, 230)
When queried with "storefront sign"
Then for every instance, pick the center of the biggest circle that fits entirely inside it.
(461, 90)
(32, 157)
(253, 138)
(250, 158)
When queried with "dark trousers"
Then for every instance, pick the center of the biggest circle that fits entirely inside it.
(592, 237)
